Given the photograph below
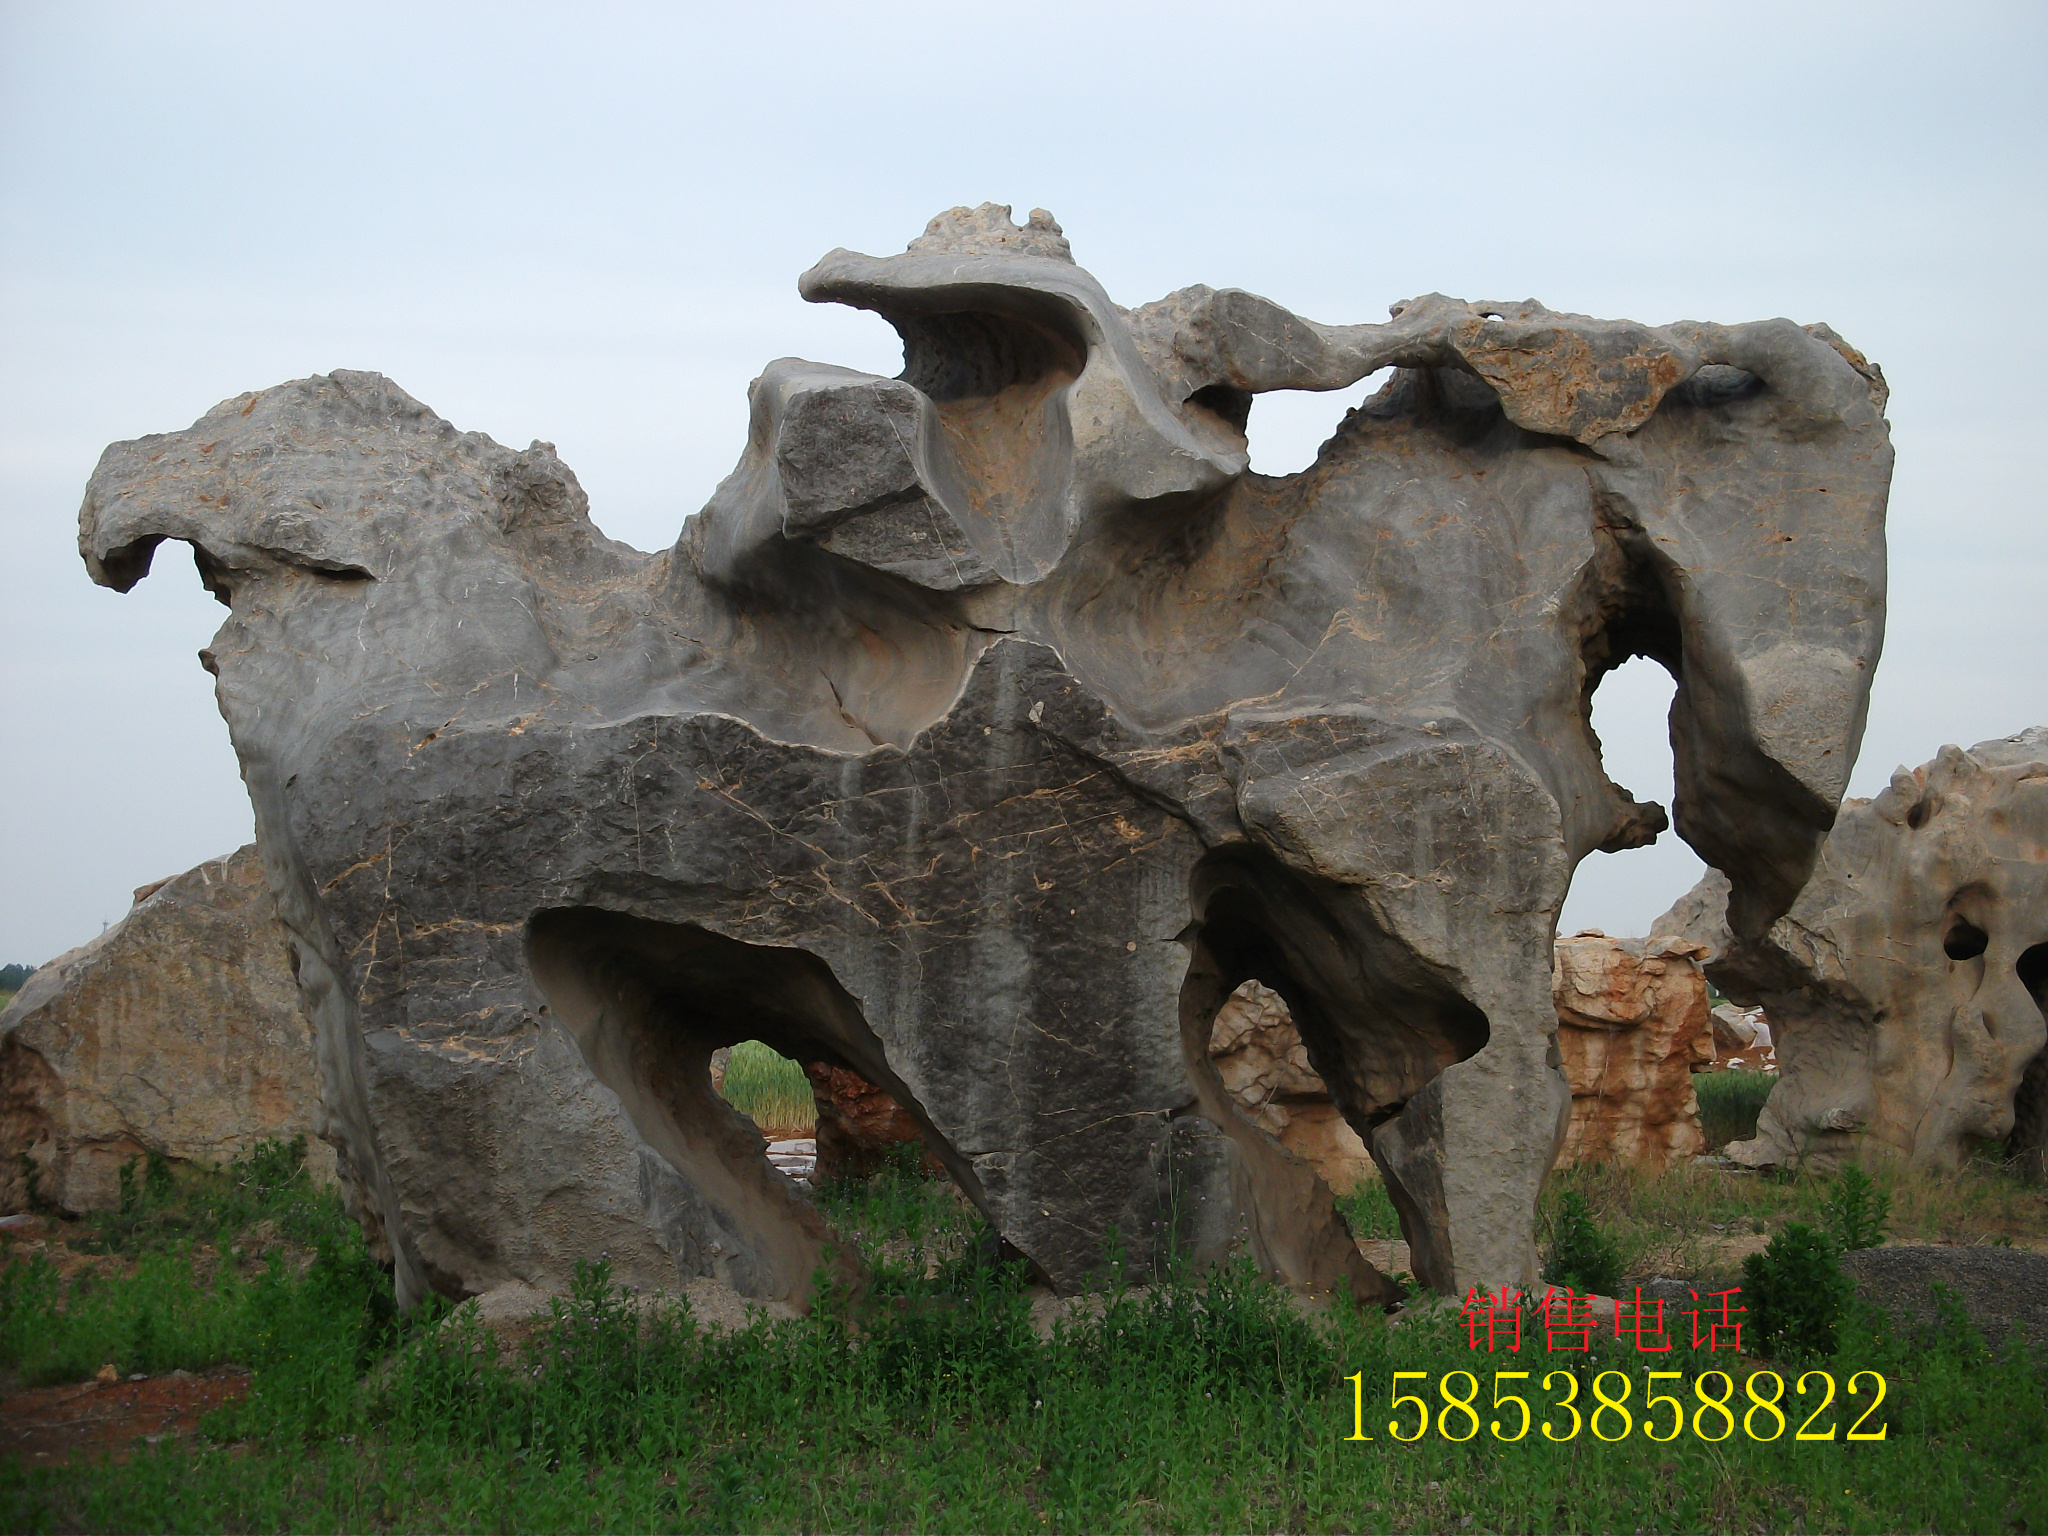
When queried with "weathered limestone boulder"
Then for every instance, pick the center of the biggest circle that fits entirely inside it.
(1258, 1053)
(1633, 1028)
(1907, 986)
(989, 727)
(176, 1031)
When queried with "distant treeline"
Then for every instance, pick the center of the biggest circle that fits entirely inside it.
(12, 976)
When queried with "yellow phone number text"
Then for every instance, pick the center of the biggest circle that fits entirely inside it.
(1715, 1413)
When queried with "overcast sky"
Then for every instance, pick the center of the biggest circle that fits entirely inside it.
(584, 223)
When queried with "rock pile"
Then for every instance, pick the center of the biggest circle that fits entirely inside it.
(1742, 1040)
(795, 1158)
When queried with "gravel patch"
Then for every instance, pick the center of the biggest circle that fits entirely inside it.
(2002, 1290)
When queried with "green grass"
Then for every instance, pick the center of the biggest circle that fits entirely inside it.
(1676, 1223)
(1730, 1103)
(219, 1261)
(1370, 1210)
(769, 1089)
(1201, 1403)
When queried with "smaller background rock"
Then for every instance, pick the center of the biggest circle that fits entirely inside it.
(177, 1031)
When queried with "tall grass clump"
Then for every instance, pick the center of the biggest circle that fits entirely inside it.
(770, 1089)
(1730, 1103)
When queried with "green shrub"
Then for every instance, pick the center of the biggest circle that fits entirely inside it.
(1581, 1255)
(163, 1316)
(1857, 1211)
(1796, 1292)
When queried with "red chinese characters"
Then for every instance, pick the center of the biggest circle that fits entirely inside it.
(1497, 1315)
(1570, 1321)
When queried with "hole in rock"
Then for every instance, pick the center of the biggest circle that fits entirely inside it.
(1717, 384)
(1287, 429)
(1964, 939)
(1624, 893)
(2033, 972)
(2026, 1148)
(998, 382)
(650, 1004)
(1295, 1000)
(1232, 404)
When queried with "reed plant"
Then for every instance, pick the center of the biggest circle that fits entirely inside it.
(771, 1090)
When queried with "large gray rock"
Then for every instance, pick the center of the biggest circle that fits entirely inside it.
(178, 1031)
(1907, 987)
(988, 728)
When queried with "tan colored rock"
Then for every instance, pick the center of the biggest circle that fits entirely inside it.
(178, 1031)
(1907, 985)
(1633, 1026)
(1259, 1055)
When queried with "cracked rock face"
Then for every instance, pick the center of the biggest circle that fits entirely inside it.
(1907, 986)
(988, 728)
(177, 1031)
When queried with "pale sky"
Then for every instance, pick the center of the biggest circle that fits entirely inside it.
(584, 223)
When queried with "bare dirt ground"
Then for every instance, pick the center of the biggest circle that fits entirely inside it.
(88, 1420)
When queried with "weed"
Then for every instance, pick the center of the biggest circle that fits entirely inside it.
(1208, 1401)
(1857, 1211)
(1676, 1222)
(1370, 1211)
(1581, 1255)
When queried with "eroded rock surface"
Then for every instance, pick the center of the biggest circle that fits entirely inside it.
(1633, 1027)
(177, 1031)
(988, 728)
(1906, 988)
